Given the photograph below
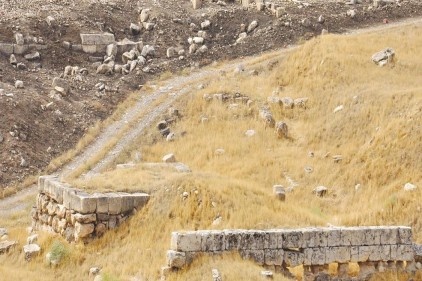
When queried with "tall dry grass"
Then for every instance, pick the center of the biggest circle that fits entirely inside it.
(378, 133)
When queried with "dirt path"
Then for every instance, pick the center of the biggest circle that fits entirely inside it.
(173, 88)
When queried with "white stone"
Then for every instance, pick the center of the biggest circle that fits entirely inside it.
(250, 133)
(169, 158)
(32, 239)
(252, 26)
(409, 187)
(19, 84)
(31, 250)
(338, 108)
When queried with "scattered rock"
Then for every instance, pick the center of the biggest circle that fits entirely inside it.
(19, 84)
(13, 59)
(383, 57)
(50, 21)
(279, 192)
(169, 158)
(337, 158)
(176, 259)
(206, 24)
(94, 271)
(267, 274)
(31, 250)
(135, 29)
(308, 169)
(32, 239)
(351, 13)
(281, 129)
(50, 260)
(216, 276)
(338, 108)
(170, 137)
(409, 187)
(144, 16)
(33, 56)
(5, 246)
(19, 39)
(252, 26)
(321, 19)
(306, 22)
(320, 191)
(83, 230)
(250, 133)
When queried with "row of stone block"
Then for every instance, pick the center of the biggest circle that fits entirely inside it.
(9, 48)
(228, 240)
(74, 199)
(309, 256)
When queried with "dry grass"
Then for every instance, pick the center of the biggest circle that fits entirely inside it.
(378, 133)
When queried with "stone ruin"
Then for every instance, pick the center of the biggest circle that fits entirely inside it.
(377, 248)
(77, 215)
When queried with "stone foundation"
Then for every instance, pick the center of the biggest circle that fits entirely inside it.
(373, 248)
(77, 215)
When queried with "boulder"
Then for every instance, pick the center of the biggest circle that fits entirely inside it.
(105, 69)
(148, 51)
(383, 57)
(31, 250)
(13, 60)
(19, 84)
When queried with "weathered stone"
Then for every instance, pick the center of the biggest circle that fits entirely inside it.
(19, 84)
(293, 258)
(31, 250)
(33, 56)
(97, 39)
(5, 246)
(144, 15)
(279, 192)
(85, 218)
(320, 191)
(216, 276)
(60, 82)
(383, 57)
(186, 241)
(32, 239)
(169, 158)
(6, 48)
(114, 203)
(134, 29)
(19, 39)
(176, 259)
(197, 4)
(83, 230)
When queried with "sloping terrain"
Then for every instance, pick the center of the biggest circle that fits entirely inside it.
(38, 124)
(358, 135)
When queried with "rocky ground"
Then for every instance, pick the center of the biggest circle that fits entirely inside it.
(39, 121)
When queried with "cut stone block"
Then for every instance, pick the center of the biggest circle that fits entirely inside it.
(233, 240)
(314, 256)
(102, 203)
(337, 254)
(176, 259)
(253, 240)
(97, 39)
(20, 49)
(293, 239)
(293, 258)
(186, 241)
(405, 235)
(86, 203)
(256, 255)
(274, 239)
(402, 252)
(6, 48)
(89, 49)
(334, 237)
(389, 236)
(114, 203)
(274, 257)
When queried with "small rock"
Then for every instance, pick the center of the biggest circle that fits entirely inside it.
(3, 231)
(206, 24)
(320, 191)
(32, 239)
(279, 192)
(338, 108)
(94, 271)
(252, 26)
(321, 19)
(308, 169)
(383, 57)
(50, 260)
(134, 29)
(19, 39)
(170, 137)
(33, 56)
(216, 276)
(250, 133)
(144, 16)
(169, 158)
(185, 195)
(13, 59)
(351, 13)
(267, 274)
(241, 38)
(409, 187)
(19, 84)
(219, 151)
(23, 163)
(306, 22)
(5, 246)
(50, 21)
(217, 221)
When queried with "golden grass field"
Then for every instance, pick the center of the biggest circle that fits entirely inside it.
(378, 134)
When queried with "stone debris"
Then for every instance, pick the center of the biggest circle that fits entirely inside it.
(281, 130)
(32, 239)
(383, 57)
(216, 276)
(320, 191)
(279, 192)
(5, 246)
(409, 187)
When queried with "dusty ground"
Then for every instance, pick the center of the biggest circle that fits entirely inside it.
(37, 135)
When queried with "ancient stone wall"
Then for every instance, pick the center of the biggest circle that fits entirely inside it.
(314, 248)
(78, 215)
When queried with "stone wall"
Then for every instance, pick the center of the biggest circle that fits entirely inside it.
(17, 49)
(386, 246)
(78, 215)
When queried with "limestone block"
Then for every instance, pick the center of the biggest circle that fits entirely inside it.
(256, 255)
(176, 259)
(127, 202)
(293, 258)
(293, 239)
(314, 237)
(20, 49)
(102, 203)
(374, 253)
(140, 199)
(402, 252)
(85, 218)
(233, 240)
(372, 236)
(314, 256)
(114, 203)
(334, 237)
(197, 4)
(337, 254)
(405, 235)
(352, 236)
(274, 239)
(97, 39)
(274, 256)
(6, 48)
(254, 240)
(389, 236)
(83, 230)
(89, 49)
(61, 211)
(186, 241)
(85, 204)
(212, 241)
(56, 190)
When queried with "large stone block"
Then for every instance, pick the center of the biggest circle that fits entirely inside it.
(102, 203)
(89, 49)
(176, 259)
(274, 256)
(68, 196)
(140, 199)
(334, 237)
(293, 258)
(97, 38)
(127, 202)
(254, 240)
(314, 256)
(274, 239)
(6, 48)
(190, 241)
(353, 236)
(402, 252)
(405, 235)
(233, 240)
(114, 203)
(256, 255)
(389, 236)
(339, 254)
(314, 237)
(293, 239)
(212, 241)
(83, 230)
(87, 203)
(372, 236)
(374, 253)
